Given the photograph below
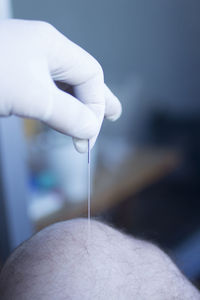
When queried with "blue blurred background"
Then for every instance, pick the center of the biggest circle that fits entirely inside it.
(146, 166)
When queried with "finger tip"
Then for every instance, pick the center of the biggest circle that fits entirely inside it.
(117, 114)
(81, 145)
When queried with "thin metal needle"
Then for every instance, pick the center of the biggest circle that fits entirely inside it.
(89, 190)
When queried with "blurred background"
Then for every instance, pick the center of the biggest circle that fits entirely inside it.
(145, 167)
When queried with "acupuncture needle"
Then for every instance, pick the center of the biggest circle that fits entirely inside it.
(89, 189)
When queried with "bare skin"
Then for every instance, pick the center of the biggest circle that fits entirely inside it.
(61, 263)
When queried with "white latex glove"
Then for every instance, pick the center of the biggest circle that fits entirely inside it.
(33, 55)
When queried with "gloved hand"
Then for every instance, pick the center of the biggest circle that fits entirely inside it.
(33, 55)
